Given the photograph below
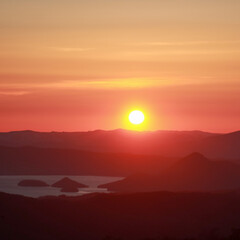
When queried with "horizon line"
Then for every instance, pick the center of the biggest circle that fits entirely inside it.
(120, 129)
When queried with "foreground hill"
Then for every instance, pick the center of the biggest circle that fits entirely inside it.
(122, 216)
(164, 143)
(192, 173)
(44, 161)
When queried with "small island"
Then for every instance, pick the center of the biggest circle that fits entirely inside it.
(32, 183)
(67, 183)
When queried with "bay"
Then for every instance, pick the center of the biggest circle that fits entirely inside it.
(9, 184)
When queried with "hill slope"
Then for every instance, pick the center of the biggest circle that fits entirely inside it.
(192, 173)
(44, 161)
(123, 216)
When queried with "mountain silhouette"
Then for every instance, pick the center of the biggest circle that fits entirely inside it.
(192, 173)
(164, 143)
(222, 146)
(46, 161)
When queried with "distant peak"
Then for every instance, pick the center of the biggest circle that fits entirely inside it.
(195, 157)
(236, 133)
(23, 131)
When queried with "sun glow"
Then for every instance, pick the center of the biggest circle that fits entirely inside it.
(136, 117)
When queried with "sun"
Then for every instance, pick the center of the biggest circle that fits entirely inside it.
(136, 117)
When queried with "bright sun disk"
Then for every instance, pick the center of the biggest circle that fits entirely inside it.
(136, 117)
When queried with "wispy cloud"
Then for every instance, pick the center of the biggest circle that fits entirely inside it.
(125, 83)
(71, 49)
(14, 93)
(106, 84)
(185, 43)
(18, 89)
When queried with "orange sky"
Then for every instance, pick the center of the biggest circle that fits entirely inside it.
(82, 65)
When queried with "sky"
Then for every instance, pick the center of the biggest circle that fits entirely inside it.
(77, 65)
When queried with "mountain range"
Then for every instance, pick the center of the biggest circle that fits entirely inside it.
(163, 143)
(192, 173)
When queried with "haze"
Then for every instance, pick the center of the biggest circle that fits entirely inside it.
(83, 65)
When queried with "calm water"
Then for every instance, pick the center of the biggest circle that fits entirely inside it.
(9, 184)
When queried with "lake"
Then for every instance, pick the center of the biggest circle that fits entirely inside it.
(9, 184)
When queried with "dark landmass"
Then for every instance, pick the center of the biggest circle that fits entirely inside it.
(67, 183)
(164, 143)
(69, 189)
(32, 183)
(192, 173)
(44, 161)
(122, 216)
